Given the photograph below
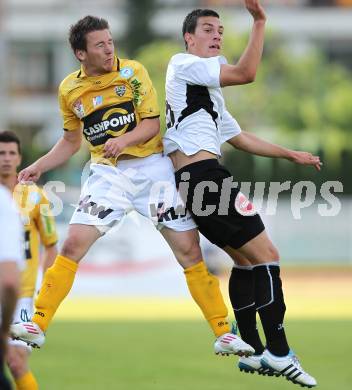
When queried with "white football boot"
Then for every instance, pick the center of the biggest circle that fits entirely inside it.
(289, 367)
(29, 332)
(230, 344)
(252, 364)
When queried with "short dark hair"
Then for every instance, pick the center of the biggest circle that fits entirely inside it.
(190, 21)
(9, 136)
(79, 31)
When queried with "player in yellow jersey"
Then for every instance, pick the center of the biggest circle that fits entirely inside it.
(113, 104)
(39, 228)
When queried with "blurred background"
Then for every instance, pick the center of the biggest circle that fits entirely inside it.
(302, 98)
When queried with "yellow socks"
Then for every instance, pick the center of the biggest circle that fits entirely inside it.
(205, 290)
(57, 283)
(26, 382)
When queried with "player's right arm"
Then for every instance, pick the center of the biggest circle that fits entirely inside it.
(67, 146)
(245, 70)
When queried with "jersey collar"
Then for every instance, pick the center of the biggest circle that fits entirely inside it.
(116, 68)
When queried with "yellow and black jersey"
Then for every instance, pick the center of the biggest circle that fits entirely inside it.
(39, 228)
(110, 105)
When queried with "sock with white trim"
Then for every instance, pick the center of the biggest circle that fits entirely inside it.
(241, 292)
(269, 299)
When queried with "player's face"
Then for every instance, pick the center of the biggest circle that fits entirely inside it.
(10, 159)
(207, 38)
(98, 59)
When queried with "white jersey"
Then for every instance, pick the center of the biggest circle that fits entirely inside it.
(196, 114)
(11, 230)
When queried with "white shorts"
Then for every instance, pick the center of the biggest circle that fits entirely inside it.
(23, 313)
(146, 185)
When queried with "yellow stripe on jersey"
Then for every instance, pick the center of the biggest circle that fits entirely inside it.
(108, 106)
(39, 227)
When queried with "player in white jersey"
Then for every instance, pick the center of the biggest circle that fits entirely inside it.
(11, 262)
(198, 123)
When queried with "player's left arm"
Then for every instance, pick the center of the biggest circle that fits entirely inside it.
(250, 143)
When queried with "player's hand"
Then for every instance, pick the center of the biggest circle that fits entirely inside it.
(114, 146)
(255, 9)
(29, 174)
(305, 158)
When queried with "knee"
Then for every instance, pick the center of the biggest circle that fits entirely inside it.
(9, 284)
(72, 246)
(192, 252)
(189, 254)
(273, 253)
(9, 278)
(269, 254)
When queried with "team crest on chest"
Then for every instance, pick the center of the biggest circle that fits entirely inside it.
(120, 90)
(78, 108)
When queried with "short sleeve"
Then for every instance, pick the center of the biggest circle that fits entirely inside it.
(144, 94)
(198, 71)
(70, 121)
(229, 127)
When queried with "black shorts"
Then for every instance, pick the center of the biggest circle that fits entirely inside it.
(234, 225)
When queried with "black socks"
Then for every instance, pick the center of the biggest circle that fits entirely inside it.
(259, 289)
(241, 291)
(271, 307)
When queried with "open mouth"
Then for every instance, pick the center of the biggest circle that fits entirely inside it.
(215, 47)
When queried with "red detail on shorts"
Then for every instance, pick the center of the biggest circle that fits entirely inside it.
(244, 206)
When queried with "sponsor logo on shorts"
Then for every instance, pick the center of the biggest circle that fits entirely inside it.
(39, 313)
(91, 208)
(164, 214)
(243, 206)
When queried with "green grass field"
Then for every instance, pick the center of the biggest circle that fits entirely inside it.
(170, 355)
